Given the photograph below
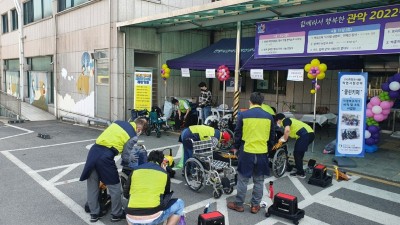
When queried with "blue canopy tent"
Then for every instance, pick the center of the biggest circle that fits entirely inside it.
(223, 53)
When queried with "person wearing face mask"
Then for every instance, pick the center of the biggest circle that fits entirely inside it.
(304, 136)
(100, 166)
(205, 101)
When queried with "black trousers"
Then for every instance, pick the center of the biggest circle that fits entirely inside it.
(300, 147)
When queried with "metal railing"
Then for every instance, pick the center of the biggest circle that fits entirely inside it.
(10, 103)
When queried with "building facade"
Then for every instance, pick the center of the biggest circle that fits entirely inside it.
(77, 62)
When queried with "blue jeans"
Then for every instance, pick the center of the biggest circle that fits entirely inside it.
(206, 111)
(174, 207)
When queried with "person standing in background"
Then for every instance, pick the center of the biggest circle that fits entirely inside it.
(205, 101)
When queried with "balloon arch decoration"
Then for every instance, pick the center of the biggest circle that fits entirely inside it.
(378, 110)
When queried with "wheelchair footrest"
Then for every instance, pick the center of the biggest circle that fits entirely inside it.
(219, 165)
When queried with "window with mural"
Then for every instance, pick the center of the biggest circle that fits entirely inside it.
(270, 83)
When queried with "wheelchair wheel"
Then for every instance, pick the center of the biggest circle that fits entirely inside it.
(148, 131)
(158, 132)
(279, 162)
(194, 174)
(226, 145)
(217, 194)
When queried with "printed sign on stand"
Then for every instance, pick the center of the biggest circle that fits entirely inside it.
(210, 73)
(185, 72)
(351, 116)
(257, 74)
(295, 74)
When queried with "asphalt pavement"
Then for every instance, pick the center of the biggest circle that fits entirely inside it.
(40, 184)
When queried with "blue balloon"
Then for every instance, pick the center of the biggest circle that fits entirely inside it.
(375, 136)
(396, 77)
(370, 148)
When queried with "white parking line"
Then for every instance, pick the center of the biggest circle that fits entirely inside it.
(63, 198)
(47, 146)
(63, 173)
(16, 135)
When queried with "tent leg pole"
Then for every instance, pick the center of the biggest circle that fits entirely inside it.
(236, 93)
(277, 89)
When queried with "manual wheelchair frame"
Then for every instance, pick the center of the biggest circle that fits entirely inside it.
(201, 169)
(279, 159)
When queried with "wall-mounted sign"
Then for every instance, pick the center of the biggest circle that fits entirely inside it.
(210, 73)
(142, 90)
(185, 72)
(257, 74)
(295, 74)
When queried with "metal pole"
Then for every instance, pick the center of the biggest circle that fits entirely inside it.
(223, 98)
(277, 89)
(236, 94)
(315, 112)
(21, 48)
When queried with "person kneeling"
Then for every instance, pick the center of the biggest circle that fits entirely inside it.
(146, 184)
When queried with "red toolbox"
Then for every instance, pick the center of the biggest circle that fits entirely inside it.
(211, 218)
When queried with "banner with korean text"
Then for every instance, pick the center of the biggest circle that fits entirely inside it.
(142, 90)
(358, 32)
(351, 116)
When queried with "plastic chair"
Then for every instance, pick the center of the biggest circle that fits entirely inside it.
(199, 115)
(215, 112)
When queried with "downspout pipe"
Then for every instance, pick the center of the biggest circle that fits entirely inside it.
(21, 48)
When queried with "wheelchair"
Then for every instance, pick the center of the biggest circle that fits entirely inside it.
(202, 169)
(155, 124)
(279, 159)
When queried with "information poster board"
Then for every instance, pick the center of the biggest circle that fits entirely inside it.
(359, 32)
(351, 116)
(142, 90)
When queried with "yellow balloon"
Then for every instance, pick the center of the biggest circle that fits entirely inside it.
(166, 75)
(310, 76)
(322, 67)
(321, 76)
(164, 66)
(167, 70)
(307, 67)
(315, 62)
(312, 91)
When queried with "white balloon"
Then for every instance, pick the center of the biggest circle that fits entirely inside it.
(394, 86)
(377, 109)
(367, 134)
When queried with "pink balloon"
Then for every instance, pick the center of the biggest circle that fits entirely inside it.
(370, 113)
(379, 117)
(317, 87)
(375, 101)
(386, 112)
(385, 105)
(391, 104)
(369, 105)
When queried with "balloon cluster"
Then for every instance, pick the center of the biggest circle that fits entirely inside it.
(392, 86)
(165, 71)
(223, 73)
(315, 71)
(378, 109)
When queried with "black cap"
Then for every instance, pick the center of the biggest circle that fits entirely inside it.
(280, 116)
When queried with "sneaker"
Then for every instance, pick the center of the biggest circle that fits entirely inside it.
(118, 218)
(295, 174)
(234, 206)
(94, 217)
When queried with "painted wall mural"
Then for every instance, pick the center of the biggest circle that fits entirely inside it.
(76, 93)
(38, 84)
(87, 72)
(12, 83)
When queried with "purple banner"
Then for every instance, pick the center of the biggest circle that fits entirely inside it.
(359, 32)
